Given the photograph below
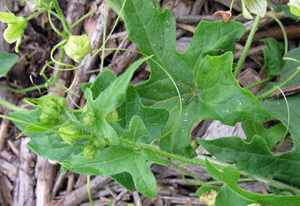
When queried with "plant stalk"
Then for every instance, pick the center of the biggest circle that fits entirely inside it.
(247, 47)
(271, 91)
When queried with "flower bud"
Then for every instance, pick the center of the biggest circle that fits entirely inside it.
(89, 120)
(90, 152)
(62, 102)
(209, 198)
(73, 137)
(78, 47)
(112, 116)
(99, 143)
(45, 118)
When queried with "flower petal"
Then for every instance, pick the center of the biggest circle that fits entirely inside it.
(8, 17)
(12, 33)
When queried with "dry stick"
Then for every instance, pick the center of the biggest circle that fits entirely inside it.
(96, 42)
(26, 180)
(77, 196)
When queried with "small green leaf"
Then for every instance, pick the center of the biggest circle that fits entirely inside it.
(271, 136)
(278, 108)
(272, 55)
(287, 11)
(8, 60)
(108, 100)
(102, 81)
(125, 179)
(246, 13)
(153, 118)
(137, 131)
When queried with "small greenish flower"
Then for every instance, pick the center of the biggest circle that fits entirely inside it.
(73, 134)
(295, 7)
(209, 198)
(112, 116)
(78, 47)
(254, 204)
(89, 120)
(15, 30)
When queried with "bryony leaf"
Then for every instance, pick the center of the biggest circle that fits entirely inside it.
(48, 144)
(153, 118)
(271, 136)
(7, 60)
(118, 159)
(108, 100)
(221, 96)
(272, 55)
(154, 33)
(278, 108)
(232, 195)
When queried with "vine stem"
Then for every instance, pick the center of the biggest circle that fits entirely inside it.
(260, 82)
(283, 31)
(247, 47)
(271, 91)
(62, 17)
(200, 160)
(10, 106)
(28, 89)
(88, 183)
(39, 12)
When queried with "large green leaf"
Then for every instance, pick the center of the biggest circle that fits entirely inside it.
(220, 95)
(108, 100)
(154, 33)
(232, 195)
(153, 118)
(7, 60)
(118, 159)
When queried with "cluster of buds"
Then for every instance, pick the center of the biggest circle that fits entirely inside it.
(72, 133)
(53, 109)
(90, 151)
